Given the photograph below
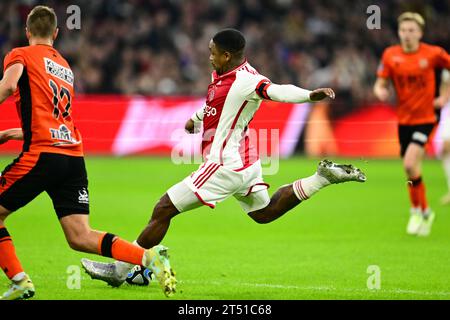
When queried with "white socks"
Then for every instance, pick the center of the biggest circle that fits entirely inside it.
(306, 187)
(124, 267)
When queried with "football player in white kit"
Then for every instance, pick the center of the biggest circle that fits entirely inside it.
(231, 166)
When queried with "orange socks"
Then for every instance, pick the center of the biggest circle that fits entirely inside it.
(417, 194)
(112, 246)
(9, 262)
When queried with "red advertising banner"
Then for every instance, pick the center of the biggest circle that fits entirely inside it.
(121, 125)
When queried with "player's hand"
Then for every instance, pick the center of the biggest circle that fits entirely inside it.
(192, 126)
(321, 93)
(440, 102)
(382, 94)
(189, 126)
(11, 134)
(4, 137)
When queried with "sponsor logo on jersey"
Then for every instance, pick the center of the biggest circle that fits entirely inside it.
(83, 196)
(62, 134)
(57, 70)
(210, 111)
(211, 95)
(423, 63)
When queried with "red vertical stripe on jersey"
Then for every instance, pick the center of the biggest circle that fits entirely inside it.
(247, 150)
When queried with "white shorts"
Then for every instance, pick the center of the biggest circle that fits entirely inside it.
(213, 183)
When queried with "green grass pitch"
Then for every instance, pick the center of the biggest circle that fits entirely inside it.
(320, 250)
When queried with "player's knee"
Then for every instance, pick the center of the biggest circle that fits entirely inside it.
(3, 217)
(76, 243)
(259, 217)
(412, 172)
(4, 213)
(79, 241)
(410, 167)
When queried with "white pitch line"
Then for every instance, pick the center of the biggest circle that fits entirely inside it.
(282, 286)
(321, 288)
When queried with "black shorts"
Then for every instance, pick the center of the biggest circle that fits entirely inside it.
(64, 178)
(418, 134)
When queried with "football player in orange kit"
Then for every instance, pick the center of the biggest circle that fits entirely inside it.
(411, 67)
(52, 158)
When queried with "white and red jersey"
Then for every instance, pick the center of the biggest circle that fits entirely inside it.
(231, 102)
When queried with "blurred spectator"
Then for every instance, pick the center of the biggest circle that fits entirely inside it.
(160, 47)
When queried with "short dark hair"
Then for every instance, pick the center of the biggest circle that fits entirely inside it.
(230, 40)
(41, 21)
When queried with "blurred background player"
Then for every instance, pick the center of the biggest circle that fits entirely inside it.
(444, 103)
(411, 66)
(52, 156)
(231, 164)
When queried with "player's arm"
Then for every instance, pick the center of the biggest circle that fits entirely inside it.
(384, 74)
(290, 93)
(7, 87)
(194, 122)
(11, 134)
(10, 79)
(444, 90)
(381, 89)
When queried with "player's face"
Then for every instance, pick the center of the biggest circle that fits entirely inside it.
(217, 57)
(409, 32)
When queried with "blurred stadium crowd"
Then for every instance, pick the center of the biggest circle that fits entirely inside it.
(160, 47)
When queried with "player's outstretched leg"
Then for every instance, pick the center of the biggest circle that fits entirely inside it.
(116, 273)
(21, 285)
(289, 196)
(82, 238)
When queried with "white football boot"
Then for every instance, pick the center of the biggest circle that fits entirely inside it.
(338, 173)
(445, 200)
(415, 221)
(156, 259)
(19, 290)
(427, 223)
(105, 271)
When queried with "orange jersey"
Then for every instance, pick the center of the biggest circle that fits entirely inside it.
(44, 98)
(413, 75)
